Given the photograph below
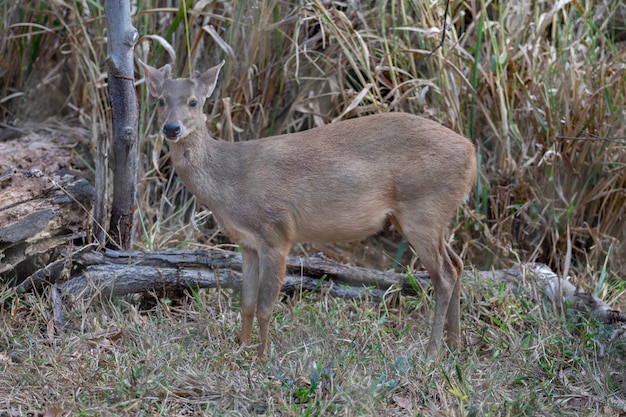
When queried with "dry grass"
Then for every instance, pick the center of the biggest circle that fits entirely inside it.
(539, 89)
(538, 86)
(328, 357)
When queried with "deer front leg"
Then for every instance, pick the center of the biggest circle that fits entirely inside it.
(272, 273)
(249, 292)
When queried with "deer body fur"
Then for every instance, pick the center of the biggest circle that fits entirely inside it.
(337, 182)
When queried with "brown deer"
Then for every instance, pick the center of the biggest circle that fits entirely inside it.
(338, 182)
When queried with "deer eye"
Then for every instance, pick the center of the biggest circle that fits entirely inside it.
(161, 102)
(193, 103)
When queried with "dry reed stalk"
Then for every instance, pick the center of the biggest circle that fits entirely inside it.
(515, 78)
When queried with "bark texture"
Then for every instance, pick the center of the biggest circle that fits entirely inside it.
(45, 202)
(122, 273)
(122, 37)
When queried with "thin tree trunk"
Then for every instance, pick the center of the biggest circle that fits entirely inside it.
(100, 201)
(122, 37)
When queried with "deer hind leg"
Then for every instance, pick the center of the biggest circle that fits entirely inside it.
(272, 273)
(427, 239)
(249, 292)
(453, 324)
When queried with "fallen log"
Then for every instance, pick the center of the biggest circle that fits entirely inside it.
(559, 291)
(122, 273)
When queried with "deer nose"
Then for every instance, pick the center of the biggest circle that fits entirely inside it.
(171, 130)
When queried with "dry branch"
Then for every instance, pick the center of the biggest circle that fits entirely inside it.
(131, 272)
(556, 289)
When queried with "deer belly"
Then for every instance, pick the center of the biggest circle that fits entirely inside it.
(327, 226)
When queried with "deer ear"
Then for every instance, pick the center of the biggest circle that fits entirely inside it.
(155, 78)
(208, 80)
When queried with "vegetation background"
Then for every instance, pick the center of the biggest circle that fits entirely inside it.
(538, 86)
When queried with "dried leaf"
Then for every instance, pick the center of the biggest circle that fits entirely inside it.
(355, 102)
(165, 44)
(107, 338)
(402, 402)
(219, 41)
(50, 330)
(53, 412)
(156, 153)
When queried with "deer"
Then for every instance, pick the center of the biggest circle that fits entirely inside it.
(342, 181)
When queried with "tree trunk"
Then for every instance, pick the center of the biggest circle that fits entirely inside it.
(122, 37)
(100, 201)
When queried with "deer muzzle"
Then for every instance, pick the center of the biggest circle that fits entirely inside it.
(172, 131)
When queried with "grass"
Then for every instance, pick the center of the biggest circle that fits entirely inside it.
(328, 357)
(541, 92)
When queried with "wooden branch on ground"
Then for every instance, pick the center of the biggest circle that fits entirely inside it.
(131, 272)
(556, 289)
(128, 272)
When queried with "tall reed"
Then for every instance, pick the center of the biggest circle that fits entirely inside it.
(539, 87)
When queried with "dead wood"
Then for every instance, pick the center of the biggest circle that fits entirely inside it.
(44, 202)
(130, 272)
(121, 273)
(560, 292)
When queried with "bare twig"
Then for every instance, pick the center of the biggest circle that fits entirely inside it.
(615, 139)
(443, 32)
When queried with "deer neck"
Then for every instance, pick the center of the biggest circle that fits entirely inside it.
(204, 164)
